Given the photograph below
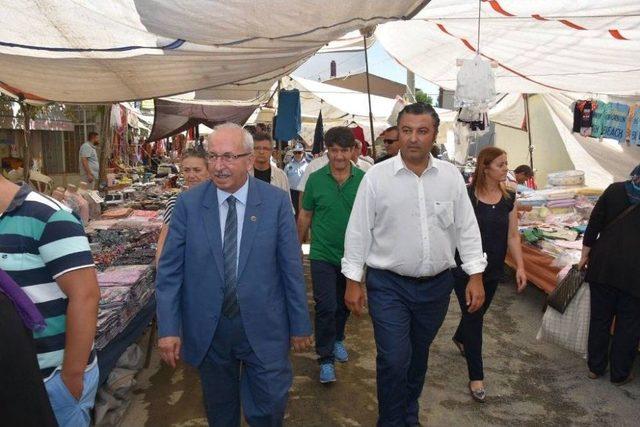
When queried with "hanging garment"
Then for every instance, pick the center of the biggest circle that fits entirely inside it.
(615, 126)
(289, 120)
(358, 133)
(576, 117)
(598, 119)
(476, 85)
(634, 131)
(586, 117)
(318, 136)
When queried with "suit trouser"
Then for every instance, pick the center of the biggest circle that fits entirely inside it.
(469, 331)
(406, 314)
(231, 372)
(329, 285)
(295, 200)
(607, 302)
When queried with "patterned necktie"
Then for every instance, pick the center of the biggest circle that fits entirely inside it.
(230, 306)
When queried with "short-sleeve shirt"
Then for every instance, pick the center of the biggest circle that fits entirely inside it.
(40, 241)
(89, 152)
(331, 204)
(168, 210)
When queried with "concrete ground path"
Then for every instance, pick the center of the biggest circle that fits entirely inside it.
(528, 383)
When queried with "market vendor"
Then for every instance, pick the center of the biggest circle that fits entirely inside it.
(89, 163)
(194, 169)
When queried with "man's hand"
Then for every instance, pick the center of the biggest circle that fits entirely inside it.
(74, 383)
(170, 350)
(301, 343)
(354, 297)
(474, 293)
(90, 178)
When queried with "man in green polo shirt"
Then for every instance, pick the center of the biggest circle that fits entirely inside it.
(326, 205)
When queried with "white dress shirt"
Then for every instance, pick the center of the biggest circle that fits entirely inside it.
(412, 225)
(241, 206)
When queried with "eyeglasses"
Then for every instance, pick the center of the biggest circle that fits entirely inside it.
(389, 141)
(226, 157)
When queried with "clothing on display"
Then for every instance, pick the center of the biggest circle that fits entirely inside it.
(289, 121)
(598, 119)
(615, 126)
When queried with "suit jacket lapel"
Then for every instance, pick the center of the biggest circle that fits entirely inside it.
(250, 224)
(211, 220)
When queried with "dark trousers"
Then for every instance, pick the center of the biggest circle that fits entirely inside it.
(406, 315)
(469, 331)
(295, 200)
(23, 398)
(329, 285)
(231, 372)
(607, 302)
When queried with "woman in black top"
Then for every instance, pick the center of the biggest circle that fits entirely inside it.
(497, 218)
(611, 254)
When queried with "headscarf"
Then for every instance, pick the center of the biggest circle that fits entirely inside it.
(633, 186)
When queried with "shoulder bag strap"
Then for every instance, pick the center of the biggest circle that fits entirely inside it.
(620, 216)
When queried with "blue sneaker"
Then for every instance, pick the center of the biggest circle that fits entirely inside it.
(327, 373)
(340, 352)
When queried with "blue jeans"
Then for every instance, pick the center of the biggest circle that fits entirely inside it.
(231, 373)
(329, 286)
(70, 412)
(406, 314)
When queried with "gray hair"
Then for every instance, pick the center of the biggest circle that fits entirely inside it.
(247, 139)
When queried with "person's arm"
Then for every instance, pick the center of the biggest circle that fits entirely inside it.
(469, 244)
(81, 288)
(358, 239)
(161, 239)
(65, 251)
(515, 248)
(594, 227)
(169, 278)
(85, 166)
(289, 260)
(304, 222)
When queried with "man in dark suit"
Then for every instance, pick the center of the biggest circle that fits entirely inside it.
(230, 287)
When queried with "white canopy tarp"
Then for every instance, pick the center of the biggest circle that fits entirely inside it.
(539, 46)
(104, 51)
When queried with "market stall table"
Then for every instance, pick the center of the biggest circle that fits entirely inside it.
(538, 267)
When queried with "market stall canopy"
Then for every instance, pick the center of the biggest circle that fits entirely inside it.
(120, 50)
(176, 114)
(539, 46)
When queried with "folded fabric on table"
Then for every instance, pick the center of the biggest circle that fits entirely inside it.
(563, 203)
(561, 195)
(117, 213)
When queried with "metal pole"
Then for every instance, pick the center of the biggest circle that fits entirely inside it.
(526, 105)
(366, 61)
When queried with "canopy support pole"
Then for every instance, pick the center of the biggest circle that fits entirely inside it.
(526, 105)
(366, 61)
(26, 155)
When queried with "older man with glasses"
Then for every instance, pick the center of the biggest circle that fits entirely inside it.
(230, 287)
(391, 144)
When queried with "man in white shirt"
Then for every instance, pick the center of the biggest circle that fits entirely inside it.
(409, 216)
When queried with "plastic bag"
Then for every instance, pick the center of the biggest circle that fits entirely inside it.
(571, 329)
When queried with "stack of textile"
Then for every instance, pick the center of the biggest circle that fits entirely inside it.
(561, 199)
(124, 290)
